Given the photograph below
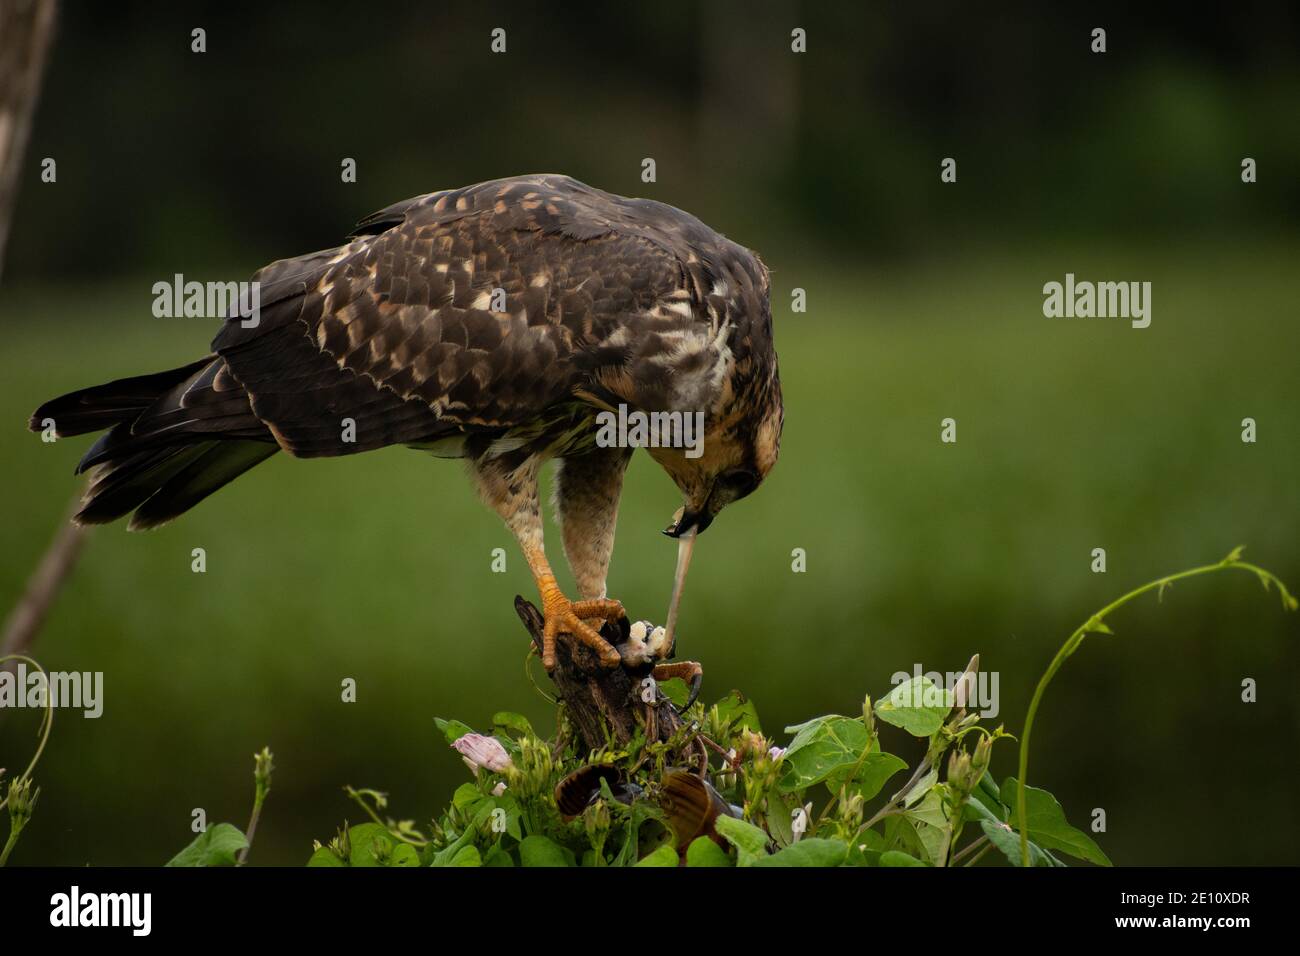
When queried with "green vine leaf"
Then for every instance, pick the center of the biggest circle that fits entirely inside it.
(1007, 840)
(505, 720)
(704, 852)
(918, 706)
(663, 856)
(1047, 826)
(324, 856)
(216, 846)
(1096, 625)
(737, 712)
(822, 747)
(814, 851)
(453, 730)
(899, 858)
(750, 841)
(465, 856)
(537, 850)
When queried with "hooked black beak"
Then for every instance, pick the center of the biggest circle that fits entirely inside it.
(689, 521)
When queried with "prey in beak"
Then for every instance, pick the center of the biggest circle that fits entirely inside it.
(646, 650)
(686, 525)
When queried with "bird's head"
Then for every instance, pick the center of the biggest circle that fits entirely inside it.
(734, 457)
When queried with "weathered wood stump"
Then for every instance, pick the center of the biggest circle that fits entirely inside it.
(603, 702)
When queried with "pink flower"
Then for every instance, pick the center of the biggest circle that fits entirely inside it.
(485, 752)
(775, 754)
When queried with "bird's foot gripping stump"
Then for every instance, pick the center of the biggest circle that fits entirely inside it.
(605, 702)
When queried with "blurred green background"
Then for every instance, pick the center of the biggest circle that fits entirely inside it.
(924, 302)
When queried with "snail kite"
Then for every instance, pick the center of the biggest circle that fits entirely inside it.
(493, 323)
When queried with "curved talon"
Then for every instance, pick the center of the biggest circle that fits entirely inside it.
(697, 681)
(689, 671)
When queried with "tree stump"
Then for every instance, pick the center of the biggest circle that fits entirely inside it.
(603, 703)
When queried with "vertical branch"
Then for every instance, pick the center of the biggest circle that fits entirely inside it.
(26, 29)
(42, 587)
(26, 32)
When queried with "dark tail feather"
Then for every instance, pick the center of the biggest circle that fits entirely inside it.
(119, 487)
(161, 483)
(213, 469)
(94, 409)
(171, 439)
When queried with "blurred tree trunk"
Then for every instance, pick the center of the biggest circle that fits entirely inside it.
(43, 586)
(26, 29)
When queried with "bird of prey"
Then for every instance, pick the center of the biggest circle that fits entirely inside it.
(493, 323)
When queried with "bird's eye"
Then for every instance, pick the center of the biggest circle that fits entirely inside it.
(740, 482)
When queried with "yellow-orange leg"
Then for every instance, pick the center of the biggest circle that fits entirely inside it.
(565, 616)
(689, 671)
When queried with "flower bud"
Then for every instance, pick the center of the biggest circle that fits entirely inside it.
(263, 764)
(342, 844)
(595, 820)
(21, 801)
(481, 751)
(751, 744)
(964, 691)
(980, 760)
(959, 771)
(851, 810)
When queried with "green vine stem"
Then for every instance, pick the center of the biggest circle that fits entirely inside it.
(46, 722)
(1097, 624)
